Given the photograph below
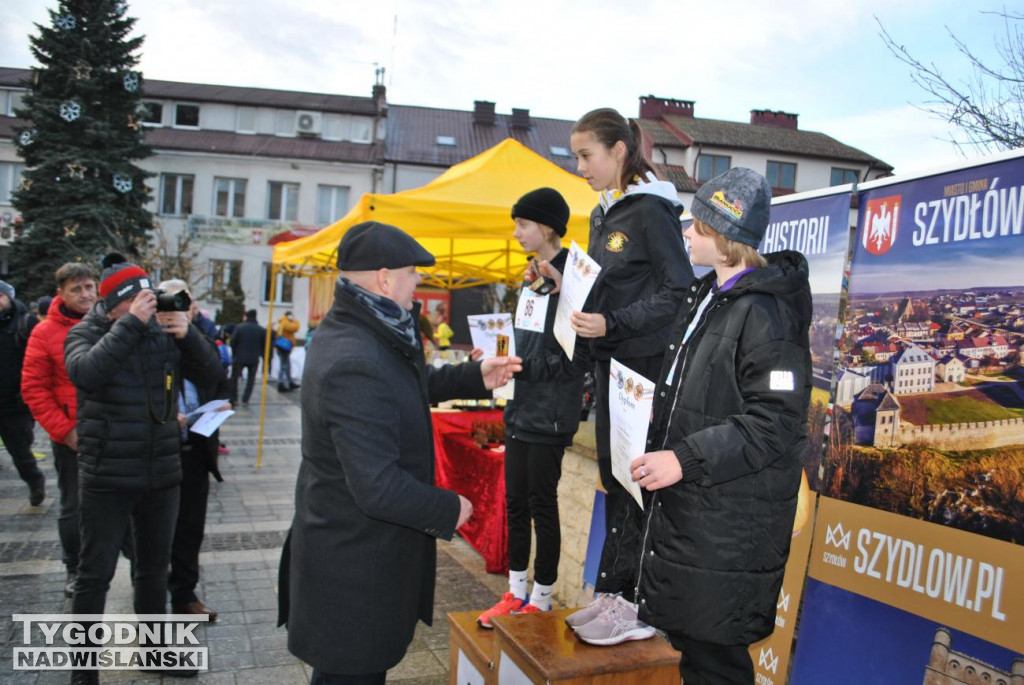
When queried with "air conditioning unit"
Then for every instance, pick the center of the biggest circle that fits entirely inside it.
(308, 123)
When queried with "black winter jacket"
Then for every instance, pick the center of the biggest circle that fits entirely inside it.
(120, 369)
(248, 343)
(715, 544)
(16, 323)
(644, 274)
(367, 512)
(545, 412)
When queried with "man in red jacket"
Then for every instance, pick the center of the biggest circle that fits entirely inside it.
(51, 397)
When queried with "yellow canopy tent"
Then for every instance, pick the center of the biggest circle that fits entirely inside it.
(462, 217)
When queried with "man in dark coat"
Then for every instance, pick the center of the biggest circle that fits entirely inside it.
(125, 368)
(16, 423)
(358, 568)
(247, 344)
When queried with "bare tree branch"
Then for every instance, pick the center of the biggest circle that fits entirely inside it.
(987, 107)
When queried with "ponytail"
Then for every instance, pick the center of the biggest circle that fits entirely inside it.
(609, 127)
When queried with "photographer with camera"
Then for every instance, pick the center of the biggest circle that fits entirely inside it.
(126, 367)
(198, 461)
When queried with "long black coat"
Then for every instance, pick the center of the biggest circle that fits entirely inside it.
(359, 567)
(119, 369)
(716, 543)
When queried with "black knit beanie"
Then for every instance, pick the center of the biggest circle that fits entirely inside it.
(545, 206)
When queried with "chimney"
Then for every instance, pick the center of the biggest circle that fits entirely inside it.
(766, 117)
(483, 113)
(653, 107)
(380, 96)
(520, 118)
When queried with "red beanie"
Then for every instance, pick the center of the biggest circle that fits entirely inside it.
(121, 281)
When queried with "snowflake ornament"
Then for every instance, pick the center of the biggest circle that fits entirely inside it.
(122, 183)
(26, 138)
(66, 22)
(70, 110)
(131, 82)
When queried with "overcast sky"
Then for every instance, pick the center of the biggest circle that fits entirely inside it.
(821, 59)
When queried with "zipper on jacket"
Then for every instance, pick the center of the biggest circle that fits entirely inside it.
(675, 400)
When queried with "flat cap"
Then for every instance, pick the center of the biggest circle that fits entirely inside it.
(372, 245)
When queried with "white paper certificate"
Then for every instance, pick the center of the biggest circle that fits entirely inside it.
(580, 273)
(210, 421)
(485, 329)
(630, 401)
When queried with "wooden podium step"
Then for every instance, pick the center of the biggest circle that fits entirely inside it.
(470, 650)
(541, 648)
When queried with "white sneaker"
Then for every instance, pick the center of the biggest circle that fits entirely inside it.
(589, 612)
(617, 623)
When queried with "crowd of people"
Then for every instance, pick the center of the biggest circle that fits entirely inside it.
(703, 560)
(113, 379)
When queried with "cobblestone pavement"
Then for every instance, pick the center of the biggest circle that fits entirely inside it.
(249, 514)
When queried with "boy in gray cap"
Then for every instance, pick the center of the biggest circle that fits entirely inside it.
(730, 419)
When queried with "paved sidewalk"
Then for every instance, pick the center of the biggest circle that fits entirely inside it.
(249, 514)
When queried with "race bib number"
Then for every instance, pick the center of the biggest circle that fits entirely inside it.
(532, 311)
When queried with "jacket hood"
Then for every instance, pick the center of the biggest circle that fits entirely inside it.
(59, 317)
(785, 277)
(649, 186)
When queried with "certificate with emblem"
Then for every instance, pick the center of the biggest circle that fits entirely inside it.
(630, 402)
(493, 334)
(577, 281)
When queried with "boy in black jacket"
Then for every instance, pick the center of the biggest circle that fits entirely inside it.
(730, 419)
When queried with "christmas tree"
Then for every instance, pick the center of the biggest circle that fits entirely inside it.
(82, 195)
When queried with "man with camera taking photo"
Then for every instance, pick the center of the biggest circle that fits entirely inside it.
(125, 366)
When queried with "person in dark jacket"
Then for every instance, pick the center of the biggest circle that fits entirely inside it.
(247, 345)
(541, 419)
(635, 236)
(198, 462)
(125, 368)
(730, 428)
(358, 567)
(16, 424)
(53, 400)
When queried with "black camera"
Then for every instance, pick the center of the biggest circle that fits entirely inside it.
(172, 302)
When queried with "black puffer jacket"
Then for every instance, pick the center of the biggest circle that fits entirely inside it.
(120, 369)
(548, 411)
(716, 543)
(15, 326)
(644, 274)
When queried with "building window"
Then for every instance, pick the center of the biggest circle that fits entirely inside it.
(283, 201)
(224, 273)
(331, 203)
(14, 98)
(362, 130)
(186, 116)
(557, 151)
(843, 176)
(229, 197)
(153, 114)
(246, 120)
(285, 122)
(10, 177)
(709, 166)
(446, 141)
(284, 287)
(176, 194)
(781, 175)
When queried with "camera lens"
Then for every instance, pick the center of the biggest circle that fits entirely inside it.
(172, 302)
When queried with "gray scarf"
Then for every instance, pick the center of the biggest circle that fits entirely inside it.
(388, 312)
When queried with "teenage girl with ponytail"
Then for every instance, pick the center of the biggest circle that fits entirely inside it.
(635, 236)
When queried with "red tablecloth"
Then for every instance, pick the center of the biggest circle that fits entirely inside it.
(479, 475)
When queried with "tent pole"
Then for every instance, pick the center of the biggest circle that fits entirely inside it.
(451, 259)
(266, 362)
